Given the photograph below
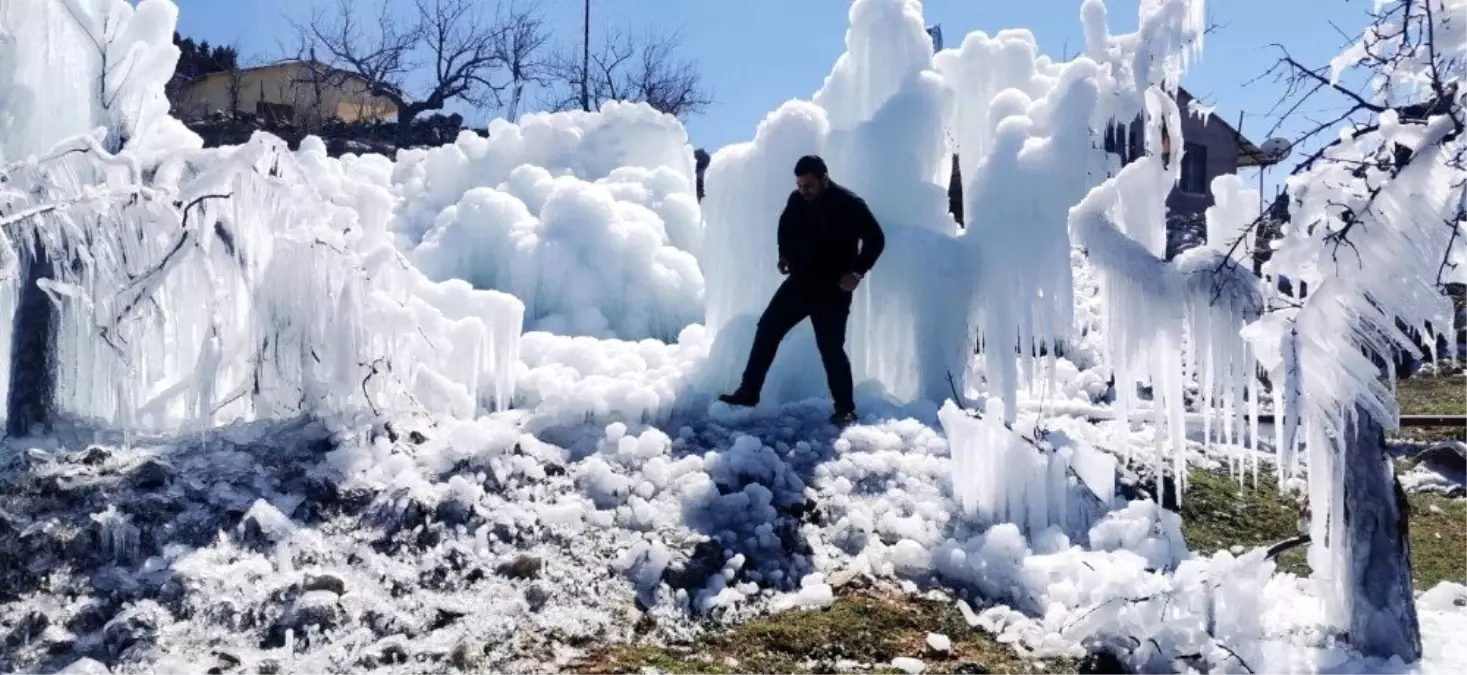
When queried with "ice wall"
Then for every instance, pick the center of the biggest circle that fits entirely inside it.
(590, 218)
(878, 121)
(1017, 238)
(89, 64)
(586, 258)
(1011, 480)
(587, 145)
(748, 185)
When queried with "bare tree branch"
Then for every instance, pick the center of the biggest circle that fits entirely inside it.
(625, 68)
(519, 49)
(446, 45)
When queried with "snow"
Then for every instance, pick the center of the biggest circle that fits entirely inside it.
(318, 411)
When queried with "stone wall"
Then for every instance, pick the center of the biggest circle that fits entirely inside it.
(340, 137)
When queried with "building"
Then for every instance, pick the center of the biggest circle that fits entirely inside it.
(1212, 148)
(293, 91)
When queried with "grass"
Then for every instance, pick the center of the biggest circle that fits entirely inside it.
(1438, 524)
(866, 627)
(1218, 513)
(872, 627)
(1438, 540)
(1444, 394)
(1433, 394)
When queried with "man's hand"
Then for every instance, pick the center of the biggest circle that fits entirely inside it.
(784, 266)
(850, 281)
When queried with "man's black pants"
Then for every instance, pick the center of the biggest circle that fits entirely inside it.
(827, 307)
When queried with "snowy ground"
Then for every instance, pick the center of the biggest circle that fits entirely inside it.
(480, 546)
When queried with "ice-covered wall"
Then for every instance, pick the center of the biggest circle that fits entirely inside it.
(878, 121)
(587, 145)
(591, 219)
(748, 185)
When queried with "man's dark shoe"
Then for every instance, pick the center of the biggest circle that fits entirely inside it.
(843, 418)
(741, 399)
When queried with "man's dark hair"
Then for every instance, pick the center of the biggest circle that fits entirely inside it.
(810, 165)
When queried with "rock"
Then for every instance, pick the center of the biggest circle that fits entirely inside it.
(1447, 457)
(263, 525)
(268, 667)
(324, 581)
(523, 567)
(937, 595)
(970, 668)
(94, 455)
(937, 643)
(1101, 663)
(453, 513)
(10, 524)
(135, 625)
(848, 576)
(446, 616)
(536, 596)
(153, 474)
(312, 608)
(908, 665)
(465, 654)
(85, 666)
(227, 659)
(706, 560)
(28, 629)
(58, 640)
(417, 437)
(391, 650)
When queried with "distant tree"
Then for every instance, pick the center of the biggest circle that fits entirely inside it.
(200, 58)
(448, 41)
(197, 59)
(624, 68)
(519, 49)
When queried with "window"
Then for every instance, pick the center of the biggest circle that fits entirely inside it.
(1194, 169)
(1135, 140)
(275, 112)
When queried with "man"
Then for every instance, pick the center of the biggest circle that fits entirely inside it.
(828, 241)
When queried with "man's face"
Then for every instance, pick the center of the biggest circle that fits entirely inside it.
(810, 187)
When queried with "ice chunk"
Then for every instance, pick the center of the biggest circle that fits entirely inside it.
(908, 665)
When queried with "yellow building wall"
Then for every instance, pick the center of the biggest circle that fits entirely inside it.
(288, 84)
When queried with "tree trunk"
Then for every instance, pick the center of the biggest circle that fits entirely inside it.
(405, 117)
(1379, 597)
(31, 404)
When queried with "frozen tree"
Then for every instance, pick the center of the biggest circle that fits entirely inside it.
(1376, 214)
(159, 285)
(131, 58)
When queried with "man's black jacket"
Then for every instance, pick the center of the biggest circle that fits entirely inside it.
(826, 238)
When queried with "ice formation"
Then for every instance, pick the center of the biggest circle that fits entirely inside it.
(878, 122)
(275, 297)
(589, 218)
(494, 347)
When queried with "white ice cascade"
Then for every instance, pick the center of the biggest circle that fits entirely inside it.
(196, 287)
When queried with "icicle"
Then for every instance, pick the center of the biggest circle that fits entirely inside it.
(1253, 414)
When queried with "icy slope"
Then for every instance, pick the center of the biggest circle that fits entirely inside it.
(475, 545)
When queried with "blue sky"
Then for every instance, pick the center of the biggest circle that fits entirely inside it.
(756, 54)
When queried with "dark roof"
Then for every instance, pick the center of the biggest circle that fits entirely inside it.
(1248, 152)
